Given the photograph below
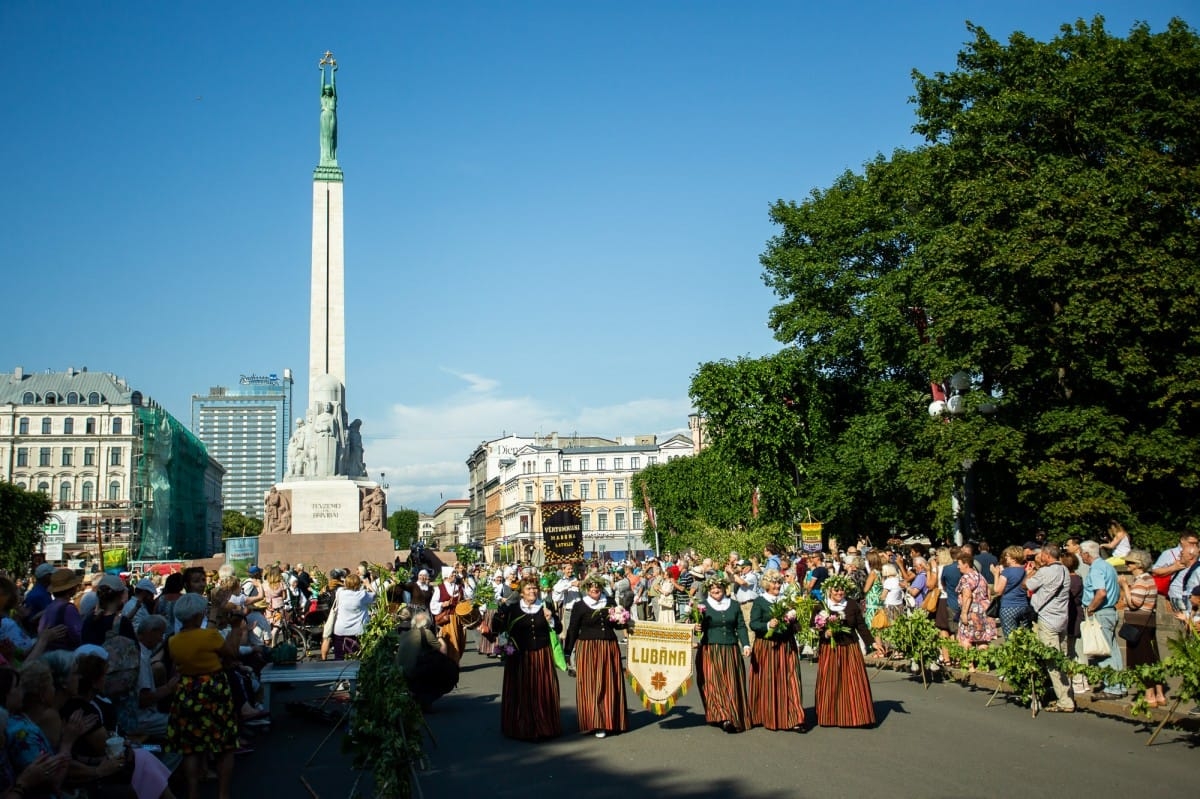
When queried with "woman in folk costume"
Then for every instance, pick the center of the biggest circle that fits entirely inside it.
(720, 671)
(600, 682)
(487, 640)
(529, 700)
(843, 689)
(774, 685)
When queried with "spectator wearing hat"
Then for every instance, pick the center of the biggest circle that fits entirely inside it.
(38, 597)
(86, 599)
(110, 613)
(63, 584)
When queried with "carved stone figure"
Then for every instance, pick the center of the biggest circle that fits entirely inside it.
(354, 466)
(296, 450)
(325, 441)
(279, 512)
(371, 515)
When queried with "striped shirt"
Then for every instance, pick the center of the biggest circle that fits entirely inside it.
(1143, 593)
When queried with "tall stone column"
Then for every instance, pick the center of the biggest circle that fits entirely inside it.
(327, 321)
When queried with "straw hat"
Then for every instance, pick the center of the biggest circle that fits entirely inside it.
(64, 579)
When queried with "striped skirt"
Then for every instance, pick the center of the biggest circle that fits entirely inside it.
(487, 642)
(721, 678)
(600, 687)
(843, 690)
(776, 701)
(529, 697)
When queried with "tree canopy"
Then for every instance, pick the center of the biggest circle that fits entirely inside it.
(404, 526)
(238, 525)
(1043, 243)
(22, 514)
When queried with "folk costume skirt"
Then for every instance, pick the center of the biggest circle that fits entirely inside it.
(843, 690)
(487, 641)
(600, 687)
(776, 700)
(721, 677)
(203, 720)
(529, 701)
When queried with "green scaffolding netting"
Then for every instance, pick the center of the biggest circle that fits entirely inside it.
(171, 473)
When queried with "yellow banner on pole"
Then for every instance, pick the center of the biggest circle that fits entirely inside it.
(810, 536)
(115, 558)
(660, 663)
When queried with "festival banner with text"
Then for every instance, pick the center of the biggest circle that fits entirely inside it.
(660, 663)
(562, 530)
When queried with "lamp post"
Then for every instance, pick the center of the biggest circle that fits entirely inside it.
(949, 402)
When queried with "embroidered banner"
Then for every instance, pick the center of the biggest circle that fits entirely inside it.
(660, 663)
(810, 535)
(562, 530)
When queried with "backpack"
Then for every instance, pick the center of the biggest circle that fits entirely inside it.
(124, 661)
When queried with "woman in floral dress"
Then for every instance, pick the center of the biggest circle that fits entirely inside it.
(975, 627)
(873, 588)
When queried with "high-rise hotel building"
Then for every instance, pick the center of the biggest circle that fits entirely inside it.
(246, 429)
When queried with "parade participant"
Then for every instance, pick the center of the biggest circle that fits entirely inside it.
(843, 690)
(203, 720)
(776, 701)
(600, 684)
(445, 596)
(486, 643)
(720, 671)
(529, 700)
(420, 591)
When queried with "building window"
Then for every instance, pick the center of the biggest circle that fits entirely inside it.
(89, 456)
(72, 398)
(602, 520)
(651, 460)
(22, 456)
(89, 426)
(116, 426)
(114, 456)
(618, 489)
(93, 398)
(27, 398)
(44, 456)
(635, 462)
(46, 426)
(548, 491)
(529, 493)
(85, 493)
(601, 489)
(51, 398)
(44, 487)
(618, 463)
(566, 489)
(566, 465)
(68, 455)
(23, 426)
(548, 464)
(583, 464)
(619, 519)
(64, 492)
(68, 426)
(587, 521)
(584, 490)
(114, 491)
(600, 464)
(637, 520)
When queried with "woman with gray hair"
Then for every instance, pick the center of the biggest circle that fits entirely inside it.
(203, 719)
(776, 701)
(1140, 630)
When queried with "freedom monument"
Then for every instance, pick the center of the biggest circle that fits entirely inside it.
(326, 511)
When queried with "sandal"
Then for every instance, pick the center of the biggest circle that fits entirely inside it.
(1057, 709)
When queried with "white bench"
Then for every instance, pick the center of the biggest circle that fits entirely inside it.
(307, 672)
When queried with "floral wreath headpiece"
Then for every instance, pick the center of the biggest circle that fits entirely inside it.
(595, 580)
(839, 581)
(717, 579)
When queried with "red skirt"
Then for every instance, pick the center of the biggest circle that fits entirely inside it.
(721, 678)
(776, 701)
(843, 690)
(600, 687)
(529, 697)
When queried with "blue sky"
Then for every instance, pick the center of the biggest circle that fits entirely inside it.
(554, 210)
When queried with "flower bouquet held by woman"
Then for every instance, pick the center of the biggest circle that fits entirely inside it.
(775, 698)
(720, 671)
(843, 690)
(600, 683)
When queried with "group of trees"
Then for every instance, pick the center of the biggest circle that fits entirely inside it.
(1043, 245)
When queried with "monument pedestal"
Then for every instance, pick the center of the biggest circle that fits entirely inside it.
(327, 523)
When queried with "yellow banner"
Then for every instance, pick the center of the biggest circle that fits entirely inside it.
(810, 536)
(660, 663)
(115, 558)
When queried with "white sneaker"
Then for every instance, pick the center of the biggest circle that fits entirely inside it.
(601, 734)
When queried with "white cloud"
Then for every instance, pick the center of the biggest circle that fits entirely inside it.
(423, 449)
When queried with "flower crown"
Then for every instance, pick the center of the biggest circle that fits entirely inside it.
(717, 579)
(839, 581)
(595, 580)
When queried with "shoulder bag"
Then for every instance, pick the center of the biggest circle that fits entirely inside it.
(931, 594)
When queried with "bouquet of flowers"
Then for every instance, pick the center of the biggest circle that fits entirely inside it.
(785, 613)
(694, 611)
(505, 648)
(829, 624)
(618, 615)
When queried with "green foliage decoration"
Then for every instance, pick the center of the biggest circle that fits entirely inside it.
(915, 636)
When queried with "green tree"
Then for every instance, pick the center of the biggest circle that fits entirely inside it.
(405, 526)
(239, 525)
(22, 514)
(1044, 242)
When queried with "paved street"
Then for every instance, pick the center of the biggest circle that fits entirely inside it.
(935, 743)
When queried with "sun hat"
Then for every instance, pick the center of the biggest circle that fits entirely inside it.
(63, 580)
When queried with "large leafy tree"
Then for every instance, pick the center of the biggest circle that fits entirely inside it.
(22, 514)
(238, 525)
(404, 526)
(1044, 243)
(692, 495)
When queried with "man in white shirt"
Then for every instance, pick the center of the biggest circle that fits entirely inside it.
(565, 593)
(745, 588)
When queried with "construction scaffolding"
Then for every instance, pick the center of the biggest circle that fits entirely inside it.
(170, 479)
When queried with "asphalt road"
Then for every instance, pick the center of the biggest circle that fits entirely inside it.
(941, 742)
